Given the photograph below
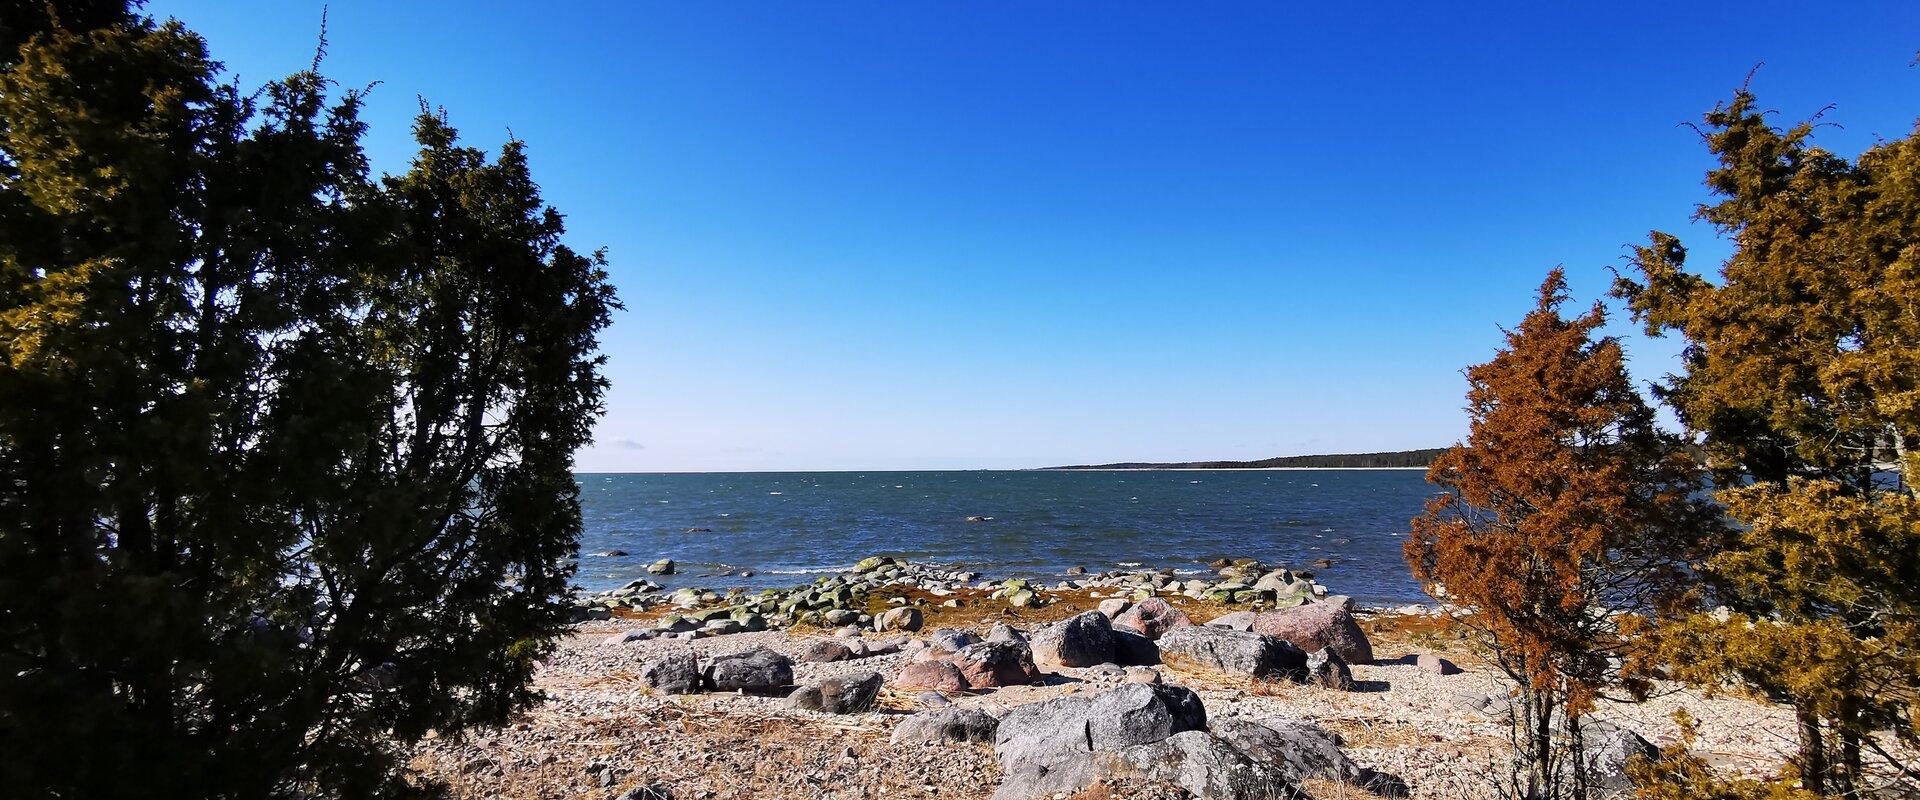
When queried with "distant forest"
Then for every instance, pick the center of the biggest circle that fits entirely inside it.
(1403, 458)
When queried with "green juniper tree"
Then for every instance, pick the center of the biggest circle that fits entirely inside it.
(285, 449)
(1802, 375)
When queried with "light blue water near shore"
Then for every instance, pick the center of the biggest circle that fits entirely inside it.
(789, 526)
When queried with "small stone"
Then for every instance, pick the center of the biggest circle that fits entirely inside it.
(1428, 662)
(1003, 632)
(629, 637)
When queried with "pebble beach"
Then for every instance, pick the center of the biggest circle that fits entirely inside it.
(1420, 717)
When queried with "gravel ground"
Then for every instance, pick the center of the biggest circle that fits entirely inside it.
(602, 733)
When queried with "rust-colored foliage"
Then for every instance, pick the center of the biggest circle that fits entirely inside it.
(1568, 517)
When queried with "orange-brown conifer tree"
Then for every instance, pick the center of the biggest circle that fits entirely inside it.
(1568, 517)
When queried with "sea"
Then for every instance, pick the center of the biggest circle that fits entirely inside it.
(788, 528)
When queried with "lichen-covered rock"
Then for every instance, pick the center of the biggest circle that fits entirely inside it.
(987, 664)
(1303, 751)
(1317, 626)
(1044, 745)
(849, 694)
(1003, 632)
(1326, 670)
(1233, 652)
(900, 619)
(1138, 713)
(1151, 618)
(1079, 641)
(950, 640)
(674, 673)
(1607, 748)
(947, 725)
(1205, 766)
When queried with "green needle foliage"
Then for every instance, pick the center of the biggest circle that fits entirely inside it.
(1802, 373)
(285, 449)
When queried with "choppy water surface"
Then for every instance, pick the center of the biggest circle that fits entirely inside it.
(790, 526)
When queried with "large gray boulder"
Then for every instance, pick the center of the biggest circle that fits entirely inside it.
(1048, 747)
(1607, 749)
(1202, 764)
(1138, 713)
(1079, 641)
(1151, 618)
(1302, 751)
(756, 671)
(1318, 626)
(1233, 652)
(988, 664)
(1044, 748)
(674, 673)
(950, 724)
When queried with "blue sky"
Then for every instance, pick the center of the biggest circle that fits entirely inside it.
(963, 235)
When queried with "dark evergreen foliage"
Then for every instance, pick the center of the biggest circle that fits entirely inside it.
(285, 449)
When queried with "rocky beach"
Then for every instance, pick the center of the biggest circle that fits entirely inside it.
(897, 679)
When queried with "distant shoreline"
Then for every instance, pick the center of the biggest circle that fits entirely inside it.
(1222, 469)
(1397, 459)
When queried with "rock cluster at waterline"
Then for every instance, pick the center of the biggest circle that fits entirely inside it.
(845, 599)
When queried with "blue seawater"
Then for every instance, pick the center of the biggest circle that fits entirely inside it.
(789, 527)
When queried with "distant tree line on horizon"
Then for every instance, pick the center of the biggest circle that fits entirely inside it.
(1398, 458)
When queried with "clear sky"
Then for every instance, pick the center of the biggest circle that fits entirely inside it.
(955, 235)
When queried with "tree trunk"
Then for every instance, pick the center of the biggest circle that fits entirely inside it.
(1540, 778)
(1812, 762)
